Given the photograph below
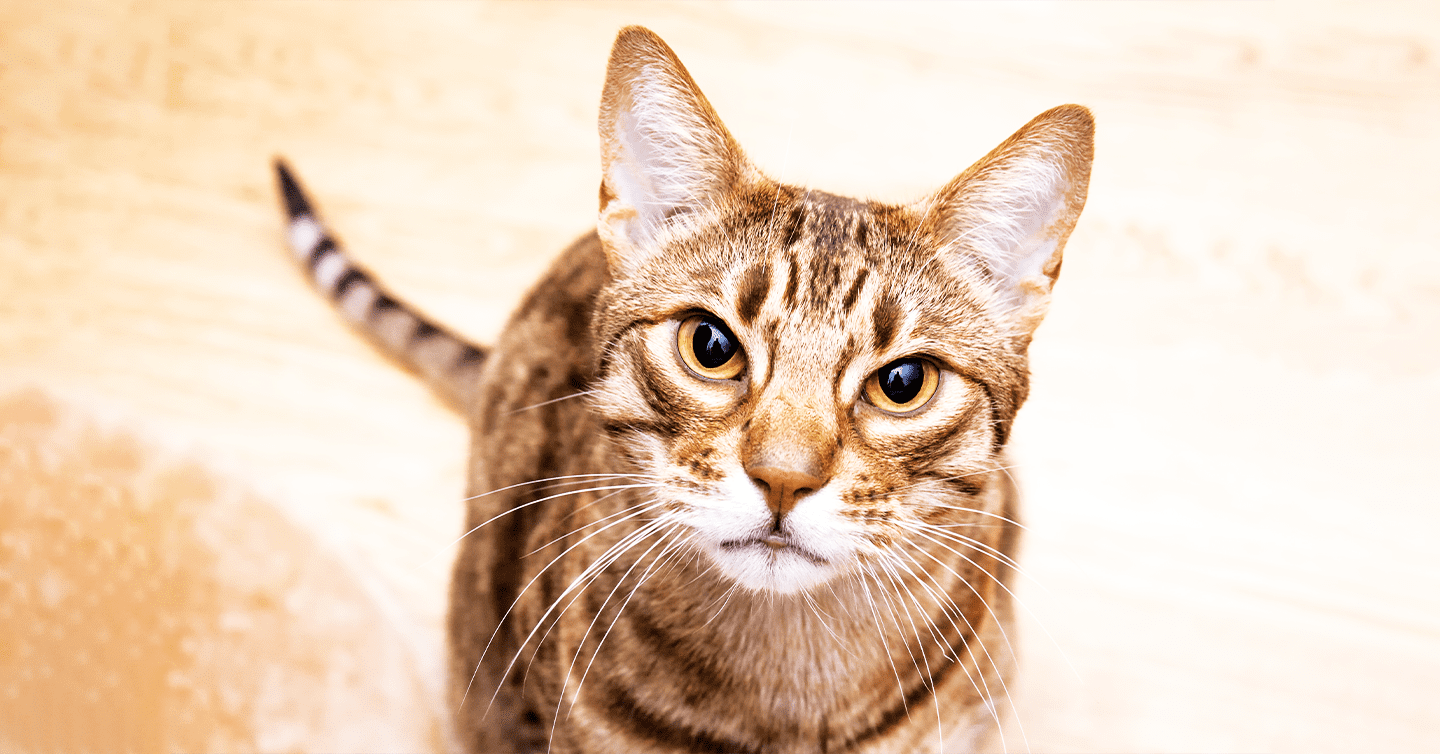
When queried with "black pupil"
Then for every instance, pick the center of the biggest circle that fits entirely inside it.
(713, 344)
(901, 380)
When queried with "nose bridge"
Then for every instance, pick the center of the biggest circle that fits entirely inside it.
(794, 417)
(787, 432)
(789, 445)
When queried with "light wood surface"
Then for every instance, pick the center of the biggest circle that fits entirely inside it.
(1230, 450)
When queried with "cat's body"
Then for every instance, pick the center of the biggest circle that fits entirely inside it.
(737, 466)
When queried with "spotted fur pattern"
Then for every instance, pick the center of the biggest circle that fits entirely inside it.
(631, 579)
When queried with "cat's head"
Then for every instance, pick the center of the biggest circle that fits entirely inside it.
(818, 382)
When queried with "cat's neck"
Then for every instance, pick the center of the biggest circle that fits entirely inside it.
(858, 625)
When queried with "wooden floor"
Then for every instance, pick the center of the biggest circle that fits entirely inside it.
(1229, 455)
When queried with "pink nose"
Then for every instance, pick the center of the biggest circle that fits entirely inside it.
(783, 487)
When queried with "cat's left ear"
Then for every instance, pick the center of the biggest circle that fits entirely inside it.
(664, 151)
(1012, 211)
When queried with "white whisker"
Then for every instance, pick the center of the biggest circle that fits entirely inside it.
(577, 586)
(974, 544)
(999, 625)
(904, 591)
(580, 394)
(880, 630)
(522, 506)
(635, 511)
(600, 611)
(946, 602)
(670, 549)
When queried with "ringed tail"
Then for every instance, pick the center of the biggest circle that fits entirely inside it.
(447, 362)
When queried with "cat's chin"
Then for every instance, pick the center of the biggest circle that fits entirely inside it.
(761, 567)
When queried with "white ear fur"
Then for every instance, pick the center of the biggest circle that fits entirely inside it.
(665, 153)
(1013, 210)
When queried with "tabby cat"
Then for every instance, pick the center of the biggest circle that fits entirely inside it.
(738, 476)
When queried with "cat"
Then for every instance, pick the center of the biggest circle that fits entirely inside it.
(738, 477)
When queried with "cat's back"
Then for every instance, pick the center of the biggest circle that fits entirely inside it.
(529, 426)
(532, 395)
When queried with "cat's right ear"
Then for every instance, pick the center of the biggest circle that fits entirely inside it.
(666, 155)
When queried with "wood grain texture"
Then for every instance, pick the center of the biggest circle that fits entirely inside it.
(1228, 454)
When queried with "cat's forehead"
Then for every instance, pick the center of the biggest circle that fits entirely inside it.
(788, 214)
(833, 255)
(824, 203)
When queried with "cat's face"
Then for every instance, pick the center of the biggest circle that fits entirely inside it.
(811, 390)
(816, 386)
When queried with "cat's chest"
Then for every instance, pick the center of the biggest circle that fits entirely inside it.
(703, 669)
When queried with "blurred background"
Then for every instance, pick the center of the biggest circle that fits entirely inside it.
(226, 523)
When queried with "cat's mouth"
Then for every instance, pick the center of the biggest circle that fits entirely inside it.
(777, 543)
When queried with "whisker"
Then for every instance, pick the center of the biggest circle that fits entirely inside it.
(522, 506)
(820, 616)
(669, 551)
(552, 400)
(637, 511)
(977, 567)
(931, 479)
(724, 601)
(630, 513)
(904, 591)
(597, 521)
(844, 604)
(557, 479)
(580, 646)
(589, 575)
(946, 603)
(600, 611)
(894, 617)
(1000, 626)
(1013, 596)
(578, 585)
(976, 511)
(880, 629)
(972, 543)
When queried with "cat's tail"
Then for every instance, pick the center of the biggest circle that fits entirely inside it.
(447, 362)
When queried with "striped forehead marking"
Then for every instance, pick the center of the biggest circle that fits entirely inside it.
(832, 262)
(753, 289)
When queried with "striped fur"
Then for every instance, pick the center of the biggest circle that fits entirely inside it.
(657, 560)
(448, 362)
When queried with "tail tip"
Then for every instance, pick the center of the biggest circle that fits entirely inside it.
(296, 205)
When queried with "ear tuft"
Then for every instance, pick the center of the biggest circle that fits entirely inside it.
(1012, 211)
(664, 151)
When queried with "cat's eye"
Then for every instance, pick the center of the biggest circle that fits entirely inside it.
(709, 349)
(903, 385)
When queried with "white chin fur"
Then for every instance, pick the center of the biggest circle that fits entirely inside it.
(761, 569)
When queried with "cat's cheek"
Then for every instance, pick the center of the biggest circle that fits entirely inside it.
(648, 452)
(732, 510)
(615, 399)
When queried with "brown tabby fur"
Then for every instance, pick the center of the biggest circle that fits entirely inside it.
(614, 593)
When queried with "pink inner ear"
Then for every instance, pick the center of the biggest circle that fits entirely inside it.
(663, 147)
(1014, 209)
(661, 155)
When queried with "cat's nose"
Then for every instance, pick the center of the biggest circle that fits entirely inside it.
(783, 486)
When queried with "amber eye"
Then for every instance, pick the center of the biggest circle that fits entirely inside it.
(709, 348)
(902, 385)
